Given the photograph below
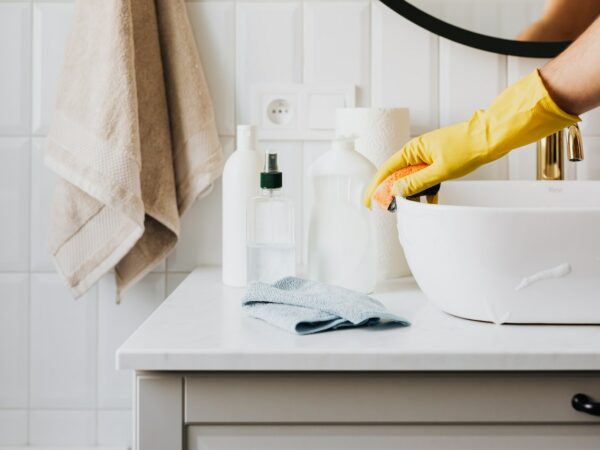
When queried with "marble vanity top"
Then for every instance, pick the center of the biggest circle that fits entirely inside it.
(201, 327)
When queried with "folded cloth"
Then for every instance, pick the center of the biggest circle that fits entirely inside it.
(133, 139)
(307, 307)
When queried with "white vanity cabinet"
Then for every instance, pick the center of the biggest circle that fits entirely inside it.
(209, 378)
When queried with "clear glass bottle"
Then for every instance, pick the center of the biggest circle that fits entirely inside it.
(271, 251)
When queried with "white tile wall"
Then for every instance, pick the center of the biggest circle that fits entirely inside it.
(13, 427)
(58, 385)
(14, 203)
(66, 428)
(589, 168)
(42, 188)
(404, 67)
(116, 323)
(14, 340)
(336, 45)
(268, 49)
(63, 345)
(51, 26)
(214, 28)
(15, 53)
(114, 428)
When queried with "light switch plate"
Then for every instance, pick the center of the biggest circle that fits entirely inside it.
(298, 111)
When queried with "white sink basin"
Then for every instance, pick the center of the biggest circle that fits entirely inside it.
(508, 251)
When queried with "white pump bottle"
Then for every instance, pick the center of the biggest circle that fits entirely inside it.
(241, 180)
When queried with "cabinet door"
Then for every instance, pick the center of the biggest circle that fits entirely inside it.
(393, 437)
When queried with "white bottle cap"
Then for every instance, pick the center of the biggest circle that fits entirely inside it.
(246, 137)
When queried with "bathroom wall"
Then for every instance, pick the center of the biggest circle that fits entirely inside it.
(58, 385)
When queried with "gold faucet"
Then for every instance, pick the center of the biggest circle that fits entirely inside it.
(550, 153)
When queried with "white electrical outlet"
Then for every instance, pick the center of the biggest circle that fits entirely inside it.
(279, 111)
(297, 111)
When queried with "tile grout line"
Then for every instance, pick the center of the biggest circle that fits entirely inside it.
(97, 363)
(300, 206)
(29, 246)
(369, 97)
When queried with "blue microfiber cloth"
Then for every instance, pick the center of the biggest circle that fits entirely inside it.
(306, 307)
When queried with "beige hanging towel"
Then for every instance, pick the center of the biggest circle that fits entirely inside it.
(133, 140)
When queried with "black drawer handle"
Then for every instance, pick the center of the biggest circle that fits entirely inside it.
(584, 404)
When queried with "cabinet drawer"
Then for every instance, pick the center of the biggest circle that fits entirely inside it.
(393, 437)
(381, 398)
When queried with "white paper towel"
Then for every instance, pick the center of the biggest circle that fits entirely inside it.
(379, 133)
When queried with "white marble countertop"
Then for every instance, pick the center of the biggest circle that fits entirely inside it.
(201, 327)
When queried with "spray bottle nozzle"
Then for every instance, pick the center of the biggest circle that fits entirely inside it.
(271, 177)
(271, 163)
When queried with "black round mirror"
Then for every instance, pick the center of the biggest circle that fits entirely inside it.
(530, 28)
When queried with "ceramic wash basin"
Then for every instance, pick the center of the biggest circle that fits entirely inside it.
(508, 251)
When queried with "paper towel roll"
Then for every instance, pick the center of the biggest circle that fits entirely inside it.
(379, 133)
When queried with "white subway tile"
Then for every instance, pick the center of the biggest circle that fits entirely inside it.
(589, 168)
(63, 345)
(66, 428)
(14, 202)
(590, 124)
(519, 67)
(51, 26)
(13, 427)
(269, 48)
(14, 343)
(404, 67)
(15, 76)
(115, 324)
(214, 28)
(200, 238)
(336, 45)
(43, 181)
(469, 80)
(114, 428)
(522, 161)
(174, 280)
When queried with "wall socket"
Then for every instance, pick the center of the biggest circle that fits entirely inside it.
(298, 111)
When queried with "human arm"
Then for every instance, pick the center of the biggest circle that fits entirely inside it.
(536, 106)
(562, 20)
(573, 77)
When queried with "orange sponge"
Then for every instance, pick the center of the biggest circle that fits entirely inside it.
(383, 196)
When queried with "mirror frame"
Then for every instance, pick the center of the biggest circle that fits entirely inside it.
(444, 29)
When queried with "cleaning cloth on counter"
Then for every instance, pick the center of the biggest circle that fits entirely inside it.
(306, 307)
(133, 139)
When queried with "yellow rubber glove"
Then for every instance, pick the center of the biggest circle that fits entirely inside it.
(522, 114)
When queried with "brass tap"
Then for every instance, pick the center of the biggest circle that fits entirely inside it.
(550, 153)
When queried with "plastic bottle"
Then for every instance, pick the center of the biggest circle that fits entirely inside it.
(240, 182)
(341, 245)
(271, 247)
